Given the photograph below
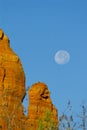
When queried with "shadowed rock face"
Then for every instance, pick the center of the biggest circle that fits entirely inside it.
(12, 92)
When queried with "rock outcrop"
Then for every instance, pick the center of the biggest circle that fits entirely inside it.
(12, 92)
(39, 103)
(12, 86)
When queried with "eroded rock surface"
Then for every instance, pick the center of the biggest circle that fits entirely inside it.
(12, 92)
(39, 103)
(12, 86)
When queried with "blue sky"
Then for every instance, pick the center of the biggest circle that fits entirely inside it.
(37, 30)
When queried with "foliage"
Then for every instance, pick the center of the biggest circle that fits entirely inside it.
(68, 120)
(47, 123)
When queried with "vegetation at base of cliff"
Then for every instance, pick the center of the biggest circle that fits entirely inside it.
(47, 122)
(68, 120)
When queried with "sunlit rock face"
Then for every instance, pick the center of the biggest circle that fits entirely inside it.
(12, 92)
(12, 86)
(39, 103)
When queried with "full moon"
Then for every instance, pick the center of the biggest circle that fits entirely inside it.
(62, 57)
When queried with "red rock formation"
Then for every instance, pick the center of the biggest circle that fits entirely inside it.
(12, 85)
(12, 92)
(39, 103)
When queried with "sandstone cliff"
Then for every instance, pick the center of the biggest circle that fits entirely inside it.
(12, 92)
(12, 87)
